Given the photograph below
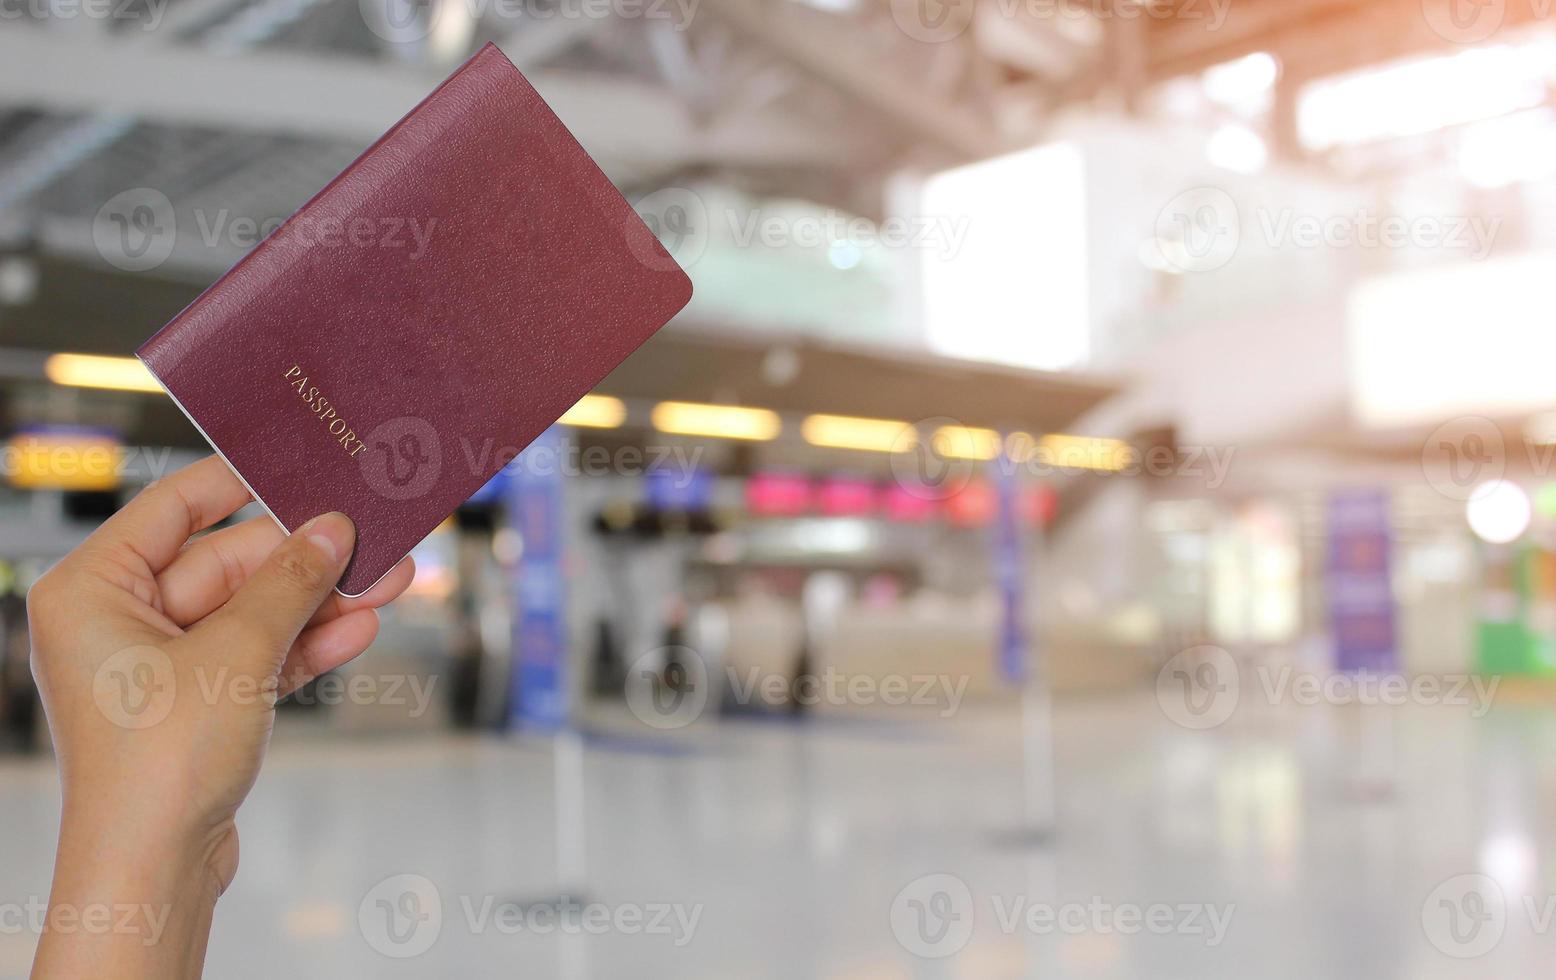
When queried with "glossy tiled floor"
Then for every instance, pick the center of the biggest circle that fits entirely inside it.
(1288, 844)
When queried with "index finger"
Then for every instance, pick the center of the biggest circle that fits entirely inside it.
(156, 523)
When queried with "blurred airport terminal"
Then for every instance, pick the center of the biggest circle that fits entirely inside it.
(1096, 518)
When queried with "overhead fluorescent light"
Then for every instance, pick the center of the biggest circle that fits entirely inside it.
(1423, 95)
(961, 442)
(1238, 149)
(595, 412)
(718, 421)
(94, 371)
(866, 435)
(1002, 287)
(1427, 345)
(1246, 85)
(1068, 452)
(64, 460)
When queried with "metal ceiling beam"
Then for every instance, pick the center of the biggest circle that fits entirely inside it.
(824, 49)
(358, 99)
(535, 42)
(1314, 38)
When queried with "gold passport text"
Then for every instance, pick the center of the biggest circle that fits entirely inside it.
(324, 411)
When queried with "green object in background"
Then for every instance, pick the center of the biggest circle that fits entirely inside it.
(1504, 648)
(1515, 630)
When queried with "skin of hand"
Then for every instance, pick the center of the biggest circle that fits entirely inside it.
(160, 657)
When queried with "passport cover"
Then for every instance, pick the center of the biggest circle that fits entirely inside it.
(421, 319)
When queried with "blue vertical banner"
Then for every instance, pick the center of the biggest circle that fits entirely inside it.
(538, 698)
(1360, 587)
(1010, 568)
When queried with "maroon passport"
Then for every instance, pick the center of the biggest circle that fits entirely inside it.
(421, 319)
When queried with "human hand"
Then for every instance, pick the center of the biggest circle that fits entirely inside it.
(159, 660)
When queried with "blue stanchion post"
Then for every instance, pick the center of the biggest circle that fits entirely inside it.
(539, 692)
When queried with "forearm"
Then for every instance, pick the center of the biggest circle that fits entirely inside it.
(126, 904)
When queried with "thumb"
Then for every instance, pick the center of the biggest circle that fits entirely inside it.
(274, 605)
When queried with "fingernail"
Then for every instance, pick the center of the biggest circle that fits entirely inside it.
(333, 534)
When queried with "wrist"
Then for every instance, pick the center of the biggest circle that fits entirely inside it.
(127, 903)
(147, 853)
